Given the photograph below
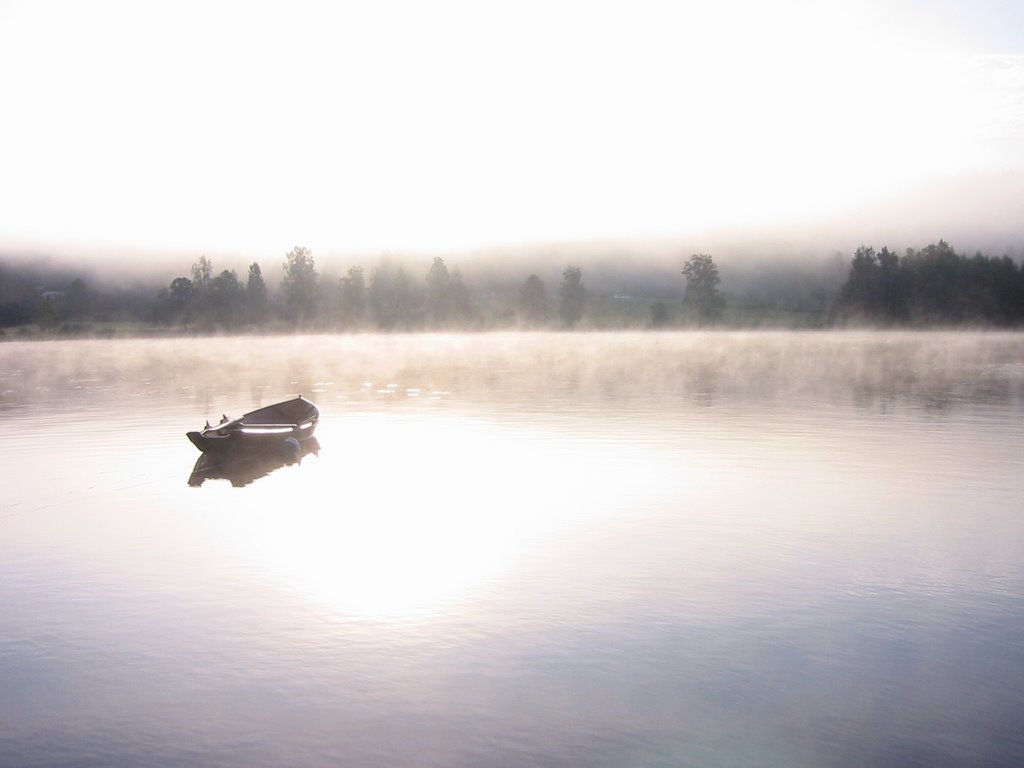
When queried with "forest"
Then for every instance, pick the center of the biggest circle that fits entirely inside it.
(930, 286)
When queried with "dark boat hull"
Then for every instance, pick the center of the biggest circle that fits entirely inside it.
(268, 430)
(238, 442)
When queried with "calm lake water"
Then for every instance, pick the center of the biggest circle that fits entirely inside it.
(692, 549)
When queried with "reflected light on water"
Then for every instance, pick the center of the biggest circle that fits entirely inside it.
(404, 517)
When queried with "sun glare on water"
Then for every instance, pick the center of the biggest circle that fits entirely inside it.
(404, 518)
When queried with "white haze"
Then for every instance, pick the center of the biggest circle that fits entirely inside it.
(239, 130)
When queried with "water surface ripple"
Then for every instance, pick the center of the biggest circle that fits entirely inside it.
(678, 549)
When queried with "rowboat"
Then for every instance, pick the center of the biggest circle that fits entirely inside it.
(273, 428)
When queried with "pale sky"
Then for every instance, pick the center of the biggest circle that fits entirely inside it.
(373, 126)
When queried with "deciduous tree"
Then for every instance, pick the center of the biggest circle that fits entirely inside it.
(298, 284)
(702, 296)
(439, 299)
(572, 296)
(256, 294)
(226, 295)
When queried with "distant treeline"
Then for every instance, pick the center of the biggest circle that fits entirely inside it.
(389, 300)
(933, 285)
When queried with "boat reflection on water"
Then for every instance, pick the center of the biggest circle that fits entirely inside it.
(243, 468)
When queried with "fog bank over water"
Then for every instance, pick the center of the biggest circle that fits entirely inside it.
(978, 212)
(665, 371)
(973, 212)
(649, 267)
(564, 286)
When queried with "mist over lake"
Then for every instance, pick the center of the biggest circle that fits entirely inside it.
(518, 549)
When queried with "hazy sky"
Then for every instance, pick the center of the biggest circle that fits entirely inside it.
(366, 126)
